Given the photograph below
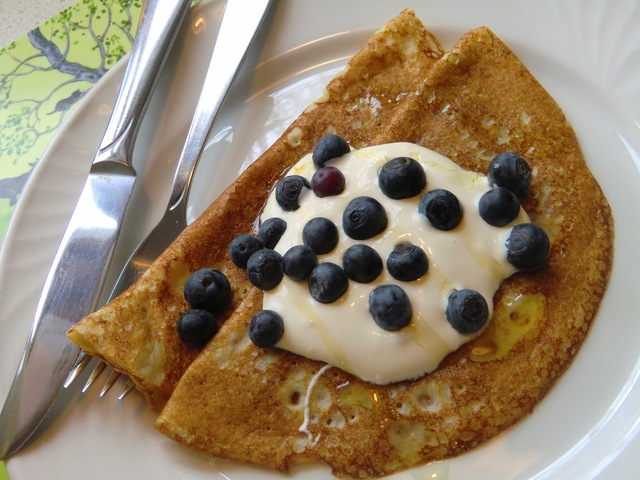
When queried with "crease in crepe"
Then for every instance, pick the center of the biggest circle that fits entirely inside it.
(244, 403)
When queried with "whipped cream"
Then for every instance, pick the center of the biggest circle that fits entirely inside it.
(343, 333)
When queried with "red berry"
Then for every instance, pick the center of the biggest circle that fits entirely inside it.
(327, 181)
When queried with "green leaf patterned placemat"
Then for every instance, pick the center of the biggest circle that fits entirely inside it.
(43, 75)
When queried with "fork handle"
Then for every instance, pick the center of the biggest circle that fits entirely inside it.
(241, 21)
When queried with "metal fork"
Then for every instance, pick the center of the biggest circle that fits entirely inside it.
(240, 24)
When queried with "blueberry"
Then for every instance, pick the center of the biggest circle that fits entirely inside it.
(327, 181)
(467, 310)
(364, 218)
(402, 177)
(288, 191)
(329, 147)
(271, 231)
(266, 328)
(527, 247)
(327, 282)
(265, 269)
(242, 247)
(207, 289)
(362, 263)
(407, 262)
(197, 327)
(442, 209)
(390, 307)
(299, 261)
(499, 206)
(511, 171)
(321, 234)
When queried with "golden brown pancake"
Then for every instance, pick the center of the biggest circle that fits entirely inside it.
(241, 402)
(136, 333)
(476, 102)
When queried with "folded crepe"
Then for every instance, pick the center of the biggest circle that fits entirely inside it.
(136, 333)
(271, 408)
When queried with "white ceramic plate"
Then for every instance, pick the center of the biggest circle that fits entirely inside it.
(587, 54)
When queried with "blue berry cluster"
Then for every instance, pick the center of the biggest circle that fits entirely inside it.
(510, 175)
(208, 293)
(364, 218)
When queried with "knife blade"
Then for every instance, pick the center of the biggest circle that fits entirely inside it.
(76, 278)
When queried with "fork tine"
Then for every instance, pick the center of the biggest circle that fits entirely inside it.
(126, 389)
(81, 362)
(109, 383)
(97, 371)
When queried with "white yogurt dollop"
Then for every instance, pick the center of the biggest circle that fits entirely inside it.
(343, 333)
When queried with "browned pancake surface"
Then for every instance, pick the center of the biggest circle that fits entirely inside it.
(477, 101)
(240, 402)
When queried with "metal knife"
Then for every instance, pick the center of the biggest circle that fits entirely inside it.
(74, 283)
(240, 24)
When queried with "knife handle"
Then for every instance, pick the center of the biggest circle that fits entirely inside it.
(156, 31)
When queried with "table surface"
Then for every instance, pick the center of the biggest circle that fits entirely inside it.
(17, 17)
